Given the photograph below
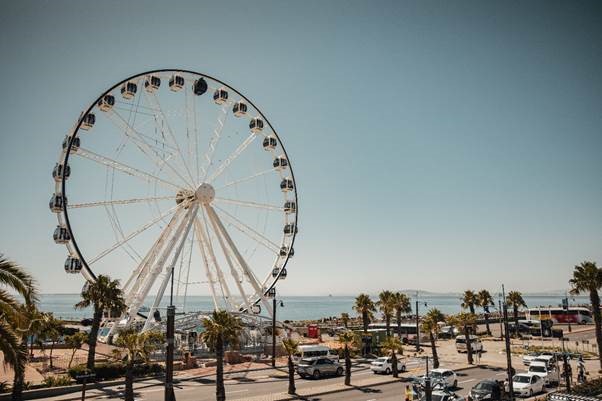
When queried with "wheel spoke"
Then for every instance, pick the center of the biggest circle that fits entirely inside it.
(134, 172)
(250, 232)
(217, 133)
(237, 152)
(201, 241)
(250, 204)
(246, 178)
(118, 202)
(132, 235)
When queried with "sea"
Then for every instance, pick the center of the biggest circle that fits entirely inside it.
(296, 307)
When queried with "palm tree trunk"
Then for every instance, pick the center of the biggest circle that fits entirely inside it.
(515, 313)
(471, 308)
(434, 350)
(394, 364)
(347, 366)
(93, 337)
(398, 317)
(19, 378)
(129, 381)
(51, 349)
(388, 325)
(220, 390)
(291, 376)
(468, 345)
(365, 324)
(595, 300)
(487, 323)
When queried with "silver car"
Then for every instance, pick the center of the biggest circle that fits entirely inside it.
(318, 367)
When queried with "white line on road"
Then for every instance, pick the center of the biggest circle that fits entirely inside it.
(466, 381)
(237, 391)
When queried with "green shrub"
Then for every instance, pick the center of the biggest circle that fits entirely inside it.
(113, 370)
(56, 381)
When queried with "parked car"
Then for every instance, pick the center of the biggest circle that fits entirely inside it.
(475, 343)
(530, 357)
(488, 390)
(445, 376)
(385, 365)
(318, 367)
(444, 396)
(549, 373)
(448, 332)
(527, 384)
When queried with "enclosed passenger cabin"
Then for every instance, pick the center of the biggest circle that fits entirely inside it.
(220, 96)
(56, 203)
(290, 207)
(239, 109)
(290, 229)
(280, 163)
(152, 83)
(270, 143)
(276, 271)
(74, 145)
(59, 171)
(61, 235)
(176, 82)
(88, 121)
(73, 265)
(256, 125)
(199, 87)
(271, 293)
(128, 90)
(256, 309)
(106, 103)
(284, 251)
(287, 185)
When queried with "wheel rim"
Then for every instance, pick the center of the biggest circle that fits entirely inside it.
(147, 118)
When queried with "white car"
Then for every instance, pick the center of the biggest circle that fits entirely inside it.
(527, 384)
(385, 365)
(446, 376)
(548, 373)
(446, 396)
(530, 357)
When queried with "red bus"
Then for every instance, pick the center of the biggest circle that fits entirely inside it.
(579, 315)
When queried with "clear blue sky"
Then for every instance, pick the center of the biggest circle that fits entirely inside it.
(436, 145)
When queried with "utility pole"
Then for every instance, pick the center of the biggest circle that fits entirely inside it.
(274, 331)
(508, 355)
(171, 314)
(500, 313)
(417, 326)
(428, 391)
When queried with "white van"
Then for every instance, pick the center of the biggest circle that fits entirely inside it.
(312, 351)
(549, 373)
(475, 343)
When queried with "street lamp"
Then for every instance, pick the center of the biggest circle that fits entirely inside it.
(272, 294)
(507, 341)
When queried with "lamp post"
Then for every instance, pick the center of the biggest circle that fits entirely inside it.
(507, 340)
(418, 324)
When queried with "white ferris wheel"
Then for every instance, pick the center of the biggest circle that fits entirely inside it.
(174, 178)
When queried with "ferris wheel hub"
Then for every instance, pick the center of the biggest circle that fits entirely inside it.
(205, 193)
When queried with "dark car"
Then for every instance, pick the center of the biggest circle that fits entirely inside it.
(488, 390)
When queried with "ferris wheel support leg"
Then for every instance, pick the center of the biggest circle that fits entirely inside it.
(218, 270)
(233, 271)
(169, 271)
(198, 230)
(151, 276)
(245, 267)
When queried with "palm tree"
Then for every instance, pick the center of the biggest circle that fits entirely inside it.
(401, 305)
(14, 324)
(105, 296)
(220, 328)
(587, 277)
(291, 346)
(345, 319)
(75, 342)
(464, 321)
(349, 340)
(515, 299)
(469, 300)
(138, 347)
(392, 345)
(52, 330)
(485, 300)
(365, 307)
(386, 304)
(430, 324)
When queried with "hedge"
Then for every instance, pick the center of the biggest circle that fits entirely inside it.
(107, 371)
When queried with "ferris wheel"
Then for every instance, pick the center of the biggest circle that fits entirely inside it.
(174, 178)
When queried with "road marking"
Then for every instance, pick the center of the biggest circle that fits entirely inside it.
(501, 374)
(237, 391)
(466, 381)
(150, 391)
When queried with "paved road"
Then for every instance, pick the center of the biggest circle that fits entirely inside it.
(242, 386)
